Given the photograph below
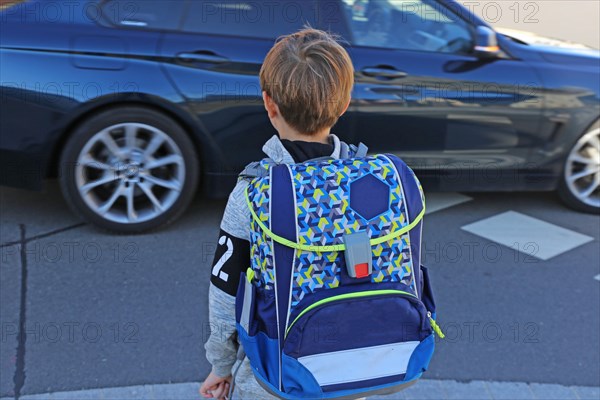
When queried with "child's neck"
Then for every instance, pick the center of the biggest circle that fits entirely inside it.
(319, 137)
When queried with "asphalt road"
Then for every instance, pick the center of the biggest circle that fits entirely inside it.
(101, 310)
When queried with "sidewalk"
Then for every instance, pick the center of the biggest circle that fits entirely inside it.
(424, 389)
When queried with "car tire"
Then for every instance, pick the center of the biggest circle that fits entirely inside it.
(579, 186)
(129, 169)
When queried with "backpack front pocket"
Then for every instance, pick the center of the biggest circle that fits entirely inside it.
(356, 340)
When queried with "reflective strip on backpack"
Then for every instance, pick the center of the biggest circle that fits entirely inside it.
(355, 365)
(247, 305)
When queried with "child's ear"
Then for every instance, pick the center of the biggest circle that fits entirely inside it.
(346, 108)
(265, 97)
(270, 105)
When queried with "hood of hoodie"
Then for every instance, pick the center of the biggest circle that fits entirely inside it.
(277, 152)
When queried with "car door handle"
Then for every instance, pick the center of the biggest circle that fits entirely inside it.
(383, 72)
(202, 57)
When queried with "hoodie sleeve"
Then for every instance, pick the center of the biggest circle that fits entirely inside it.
(231, 258)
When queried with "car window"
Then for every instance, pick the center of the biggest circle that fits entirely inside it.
(256, 18)
(144, 14)
(407, 24)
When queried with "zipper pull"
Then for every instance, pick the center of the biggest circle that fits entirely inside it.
(435, 326)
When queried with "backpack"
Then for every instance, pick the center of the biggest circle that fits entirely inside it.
(335, 303)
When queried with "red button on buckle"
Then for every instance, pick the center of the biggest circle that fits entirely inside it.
(362, 270)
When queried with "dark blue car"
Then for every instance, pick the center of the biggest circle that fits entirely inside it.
(134, 103)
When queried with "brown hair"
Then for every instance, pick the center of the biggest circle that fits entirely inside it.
(309, 75)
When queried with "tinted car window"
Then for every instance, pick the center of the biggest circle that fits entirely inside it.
(407, 24)
(149, 14)
(260, 19)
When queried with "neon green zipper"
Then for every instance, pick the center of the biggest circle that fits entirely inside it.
(435, 326)
(368, 293)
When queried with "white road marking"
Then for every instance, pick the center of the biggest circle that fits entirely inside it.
(528, 235)
(440, 201)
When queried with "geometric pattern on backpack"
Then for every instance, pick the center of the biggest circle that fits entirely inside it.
(261, 252)
(324, 215)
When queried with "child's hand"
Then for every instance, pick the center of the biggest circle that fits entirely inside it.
(215, 387)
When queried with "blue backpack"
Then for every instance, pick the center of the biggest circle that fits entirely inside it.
(336, 303)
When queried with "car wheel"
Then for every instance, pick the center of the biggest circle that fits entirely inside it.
(129, 170)
(580, 184)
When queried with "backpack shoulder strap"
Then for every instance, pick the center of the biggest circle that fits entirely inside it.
(344, 150)
(256, 169)
(352, 151)
(361, 150)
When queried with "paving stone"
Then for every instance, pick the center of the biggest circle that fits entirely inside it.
(552, 392)
(510, 391)
(425, 390)
(587, 393)
(179, 391)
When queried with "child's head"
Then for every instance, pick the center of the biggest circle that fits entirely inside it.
(307, 80)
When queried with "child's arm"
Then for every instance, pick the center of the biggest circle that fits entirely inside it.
(231, 258)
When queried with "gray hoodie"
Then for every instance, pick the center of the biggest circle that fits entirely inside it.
(221, 347)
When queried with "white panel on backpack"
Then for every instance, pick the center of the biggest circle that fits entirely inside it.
(359, 364)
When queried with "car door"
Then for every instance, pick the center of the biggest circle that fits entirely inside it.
(420, 93)
(214, 61)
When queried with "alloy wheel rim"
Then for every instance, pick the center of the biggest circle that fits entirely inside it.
(582, 169)
(130, 173)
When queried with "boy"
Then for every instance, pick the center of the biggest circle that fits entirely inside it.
(306, 79)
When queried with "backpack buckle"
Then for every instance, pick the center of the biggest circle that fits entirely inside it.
(359, 260)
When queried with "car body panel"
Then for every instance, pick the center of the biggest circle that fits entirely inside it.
(463, 123)
(86, 68)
